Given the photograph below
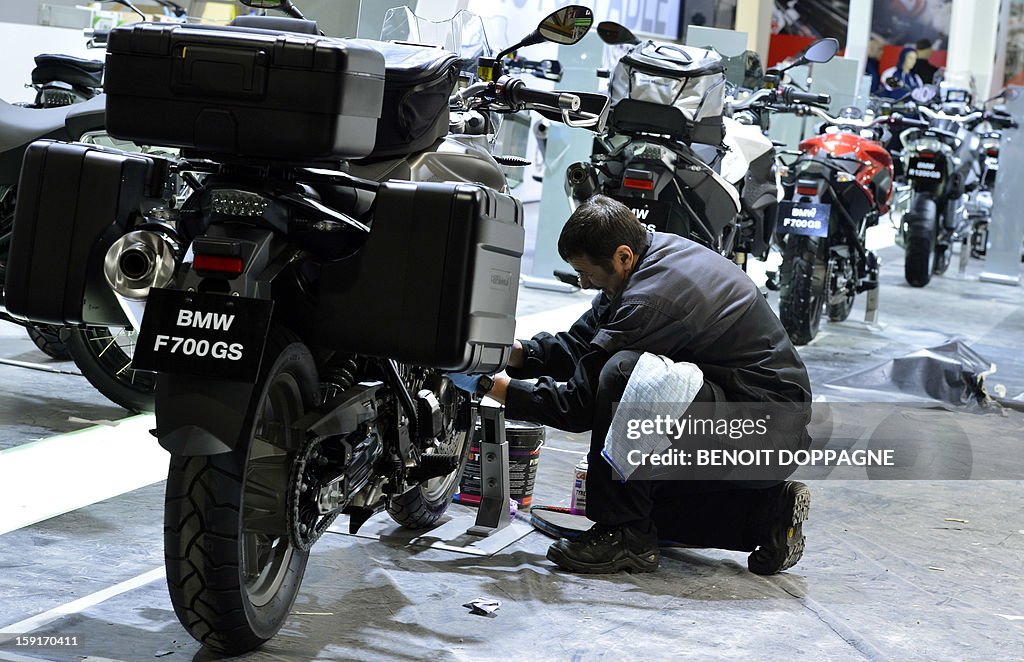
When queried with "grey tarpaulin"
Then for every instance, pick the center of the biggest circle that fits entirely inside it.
(951, 372)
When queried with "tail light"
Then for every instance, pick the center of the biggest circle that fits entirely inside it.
(638, 179)
(807, 188)
(216, 257)
(992, 151)
(925, 154)
(217, 264)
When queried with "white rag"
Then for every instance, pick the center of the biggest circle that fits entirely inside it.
(657, 387)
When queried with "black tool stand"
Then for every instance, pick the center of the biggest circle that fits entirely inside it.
(492, 515)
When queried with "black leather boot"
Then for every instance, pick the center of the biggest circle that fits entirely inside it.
(603, 549)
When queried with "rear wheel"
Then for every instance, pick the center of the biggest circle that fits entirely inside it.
(803, 278)
(921, 225)
(233, 571)
(48, 340)
(104, 355)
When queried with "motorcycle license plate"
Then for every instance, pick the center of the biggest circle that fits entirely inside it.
(652, 213)
(804, 218)
(206, 334)
(927, 170)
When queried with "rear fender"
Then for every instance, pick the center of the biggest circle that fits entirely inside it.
(201, 416)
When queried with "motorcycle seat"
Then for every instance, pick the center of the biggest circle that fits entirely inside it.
(20, 126)
(67, 69)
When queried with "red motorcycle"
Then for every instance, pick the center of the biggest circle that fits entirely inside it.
(837, 188)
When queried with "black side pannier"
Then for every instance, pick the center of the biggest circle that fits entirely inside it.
(417, 84)
(74, 202)
(436, 283)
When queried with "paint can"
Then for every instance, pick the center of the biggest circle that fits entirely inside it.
(524, 443)
(578, 505)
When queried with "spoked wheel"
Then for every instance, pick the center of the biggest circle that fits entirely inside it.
(233, 571)
(104, 355)
(804, 275)
(423, 504)
(48, 340)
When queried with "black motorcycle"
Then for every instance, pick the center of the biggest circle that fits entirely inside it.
(670, 155)
(942, 166)
(300, 315)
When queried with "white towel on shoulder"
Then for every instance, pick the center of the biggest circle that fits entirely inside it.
(657, 386)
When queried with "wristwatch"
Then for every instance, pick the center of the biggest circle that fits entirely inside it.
(483, 387)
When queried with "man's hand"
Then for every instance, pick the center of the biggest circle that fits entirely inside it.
(471, 384)
(518, 356)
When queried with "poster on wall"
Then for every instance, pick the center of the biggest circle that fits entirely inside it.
(898, 22)
(813, 19)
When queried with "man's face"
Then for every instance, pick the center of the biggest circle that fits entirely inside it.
(596, 276)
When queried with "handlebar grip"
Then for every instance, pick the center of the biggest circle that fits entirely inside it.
(793, 96)
(518, 94)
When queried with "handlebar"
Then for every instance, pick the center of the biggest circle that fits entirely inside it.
(846, 121)
(518, 96)
(791, 95)
(942, 115)
(509, 94)
(783, 95)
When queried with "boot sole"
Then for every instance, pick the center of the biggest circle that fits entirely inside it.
(795, 541)
(630, 563)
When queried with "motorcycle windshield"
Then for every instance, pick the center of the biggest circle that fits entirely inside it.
(465, 33)
(470, 36)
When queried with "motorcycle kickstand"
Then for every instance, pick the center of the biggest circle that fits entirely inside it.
(492, 513)
(871, 308)
(965, 251)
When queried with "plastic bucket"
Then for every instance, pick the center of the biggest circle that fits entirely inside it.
(524, 444)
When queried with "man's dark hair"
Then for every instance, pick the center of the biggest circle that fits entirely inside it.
(923, 44)
(597, 228)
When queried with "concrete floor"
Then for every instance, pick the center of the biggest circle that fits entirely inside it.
(903, 570)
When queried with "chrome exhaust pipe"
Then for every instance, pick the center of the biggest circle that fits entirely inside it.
(137, 262)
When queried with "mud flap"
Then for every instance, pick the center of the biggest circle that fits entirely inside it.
(199, 415)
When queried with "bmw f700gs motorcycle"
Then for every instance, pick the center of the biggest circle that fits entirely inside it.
(301, 315)
(836, 189)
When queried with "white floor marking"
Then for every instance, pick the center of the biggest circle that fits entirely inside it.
(46, 478)
(77, 606)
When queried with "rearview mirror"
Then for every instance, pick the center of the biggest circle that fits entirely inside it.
(567, 25)
(263, 4)
(611, 32)
(821, 51)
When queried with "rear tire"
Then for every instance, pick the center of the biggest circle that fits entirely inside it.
(802, 285)
(104, 355)
(47, 339)
(232, 570)
(921, 226)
